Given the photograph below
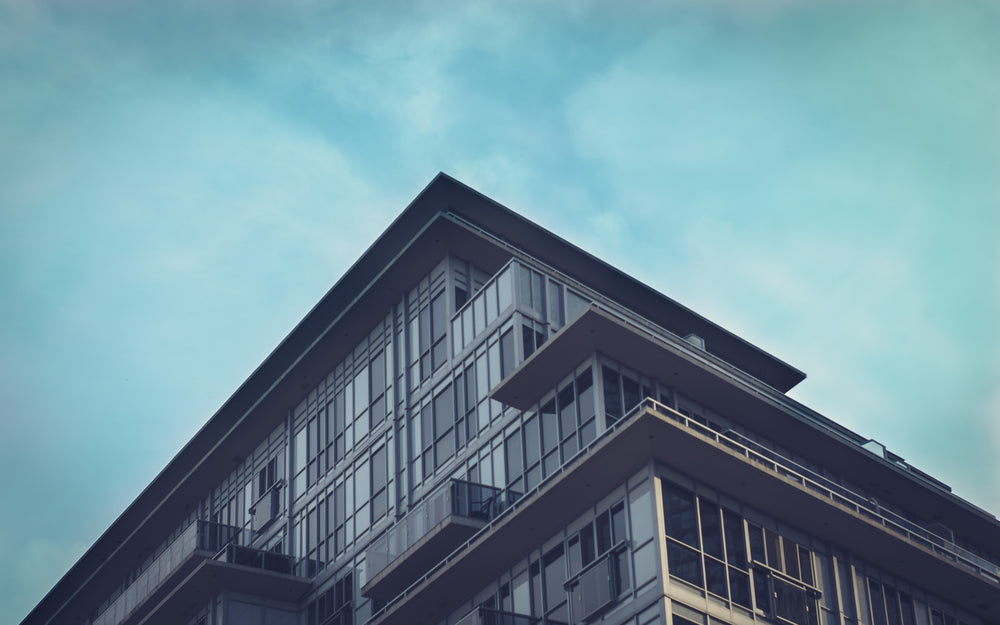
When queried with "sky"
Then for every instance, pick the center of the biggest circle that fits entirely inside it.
(180, 182)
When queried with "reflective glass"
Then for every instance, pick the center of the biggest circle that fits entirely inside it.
(684, 563)
(679, 515)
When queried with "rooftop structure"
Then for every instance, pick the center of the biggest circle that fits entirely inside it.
(481, 423)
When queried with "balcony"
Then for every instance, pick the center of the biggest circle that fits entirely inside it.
(653, 431)
(205, 558)
(490, 616)
(431, 530)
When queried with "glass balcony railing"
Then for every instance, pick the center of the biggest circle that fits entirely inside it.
(491, 302)
(224, 542)
(491, 616)
(454, 497)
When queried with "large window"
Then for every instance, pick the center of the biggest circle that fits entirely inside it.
(708, 546)
(427, 323)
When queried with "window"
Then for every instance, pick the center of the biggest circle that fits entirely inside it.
(379, 483)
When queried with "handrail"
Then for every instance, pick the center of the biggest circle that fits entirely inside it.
(197, 536)
(453, 496)
(510, 510)
(844, 496)
(837, 492)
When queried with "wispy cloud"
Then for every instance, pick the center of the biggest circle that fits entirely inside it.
(180, 182)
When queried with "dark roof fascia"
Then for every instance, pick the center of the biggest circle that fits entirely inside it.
(579, 264)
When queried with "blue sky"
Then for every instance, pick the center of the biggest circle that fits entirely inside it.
(180, 182)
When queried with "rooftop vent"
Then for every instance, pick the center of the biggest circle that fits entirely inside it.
(695, 340)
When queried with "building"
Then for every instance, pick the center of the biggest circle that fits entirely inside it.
(482, 424)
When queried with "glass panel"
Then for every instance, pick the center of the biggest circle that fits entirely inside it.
(711, 530)
(482, 377)
(439, 317)
(574, 304)
(425, 328)
(846, 591)
(494, 357)
(300, 451)
(445, 448)
(522, 596)
(715, 577)
(612, 395)
(680, 515)
(491, 303)
(630, 391)
(646, 564)
(771, 545)
(513, 450)
(603, 523)
(789, 602)
(537, 292)
(739, 588)
(906, 609)
(791, 557)
(805, 565)
(736, 551)
(556, 313)
(877, 603)
(555, 576)
(524, 287)
(536, 589)
(361, 391)
(362, 486)
(550, 426)
(456, 335)
(507, 352)
(567, 410)
(892, 606)
(641, 515)
(762, 590)
(585, 395)
(684, 563)
(575, 556)
(587, 544)
(527, 340)
(379, 469)
(378, 374)
(468, 329)
(618, 523)
(756, 536)
(532, 442)
(479, 313)
(444, 411)
(427, 426)
(504, 291)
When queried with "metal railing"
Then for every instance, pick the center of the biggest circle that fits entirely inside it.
(781, 465)
(200, 535)
(454, 497)
(829, 489)
(491, 616)
(511, 509)
(225, 543)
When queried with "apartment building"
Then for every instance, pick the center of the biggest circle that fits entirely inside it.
(483, 424)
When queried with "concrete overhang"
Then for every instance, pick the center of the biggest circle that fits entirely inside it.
(441, 540)
(654, 435)
(209, 578)
(737, 397)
